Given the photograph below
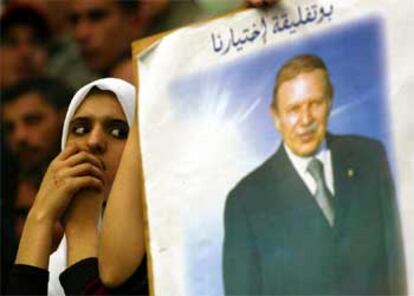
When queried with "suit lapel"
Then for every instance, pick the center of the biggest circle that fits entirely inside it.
(288, 193)
(345, 170)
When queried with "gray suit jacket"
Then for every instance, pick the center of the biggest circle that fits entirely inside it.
(277, 240)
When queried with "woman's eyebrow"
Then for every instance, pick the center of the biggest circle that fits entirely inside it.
(116, 120)
(79, 120)
(106, 119)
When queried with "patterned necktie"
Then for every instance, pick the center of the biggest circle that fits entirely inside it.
(323, 197)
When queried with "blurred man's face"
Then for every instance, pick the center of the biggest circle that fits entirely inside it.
(102, 30)
(32, 130)
(302, 112)
(22, 55)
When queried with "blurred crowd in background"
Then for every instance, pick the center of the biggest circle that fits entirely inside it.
(50, 48)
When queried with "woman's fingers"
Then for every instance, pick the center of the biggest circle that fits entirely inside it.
(86, 182)
(85, 169)
(68, 151)
(71, 163)
(84, 166)
(75, 154)
(84, 157)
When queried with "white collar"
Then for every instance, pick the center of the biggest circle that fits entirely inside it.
(301, 163)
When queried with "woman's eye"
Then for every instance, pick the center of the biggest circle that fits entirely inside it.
(79, 130)
(119, 132)
(80, 127)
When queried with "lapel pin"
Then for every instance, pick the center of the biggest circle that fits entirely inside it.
(351, 173)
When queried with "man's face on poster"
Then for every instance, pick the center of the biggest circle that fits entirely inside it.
(302, 111)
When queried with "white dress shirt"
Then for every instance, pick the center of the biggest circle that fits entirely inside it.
(301, 164)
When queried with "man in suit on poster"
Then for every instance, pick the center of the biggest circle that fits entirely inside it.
(319, 216)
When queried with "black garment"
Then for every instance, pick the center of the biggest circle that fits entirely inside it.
(277, 240)
(9, 242)
(27, 280)
(81, 278)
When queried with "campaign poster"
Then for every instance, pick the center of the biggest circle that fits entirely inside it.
(207, 127)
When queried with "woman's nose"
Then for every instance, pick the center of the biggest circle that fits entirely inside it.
(97, 140)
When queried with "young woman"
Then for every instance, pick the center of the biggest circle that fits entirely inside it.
(74, 189)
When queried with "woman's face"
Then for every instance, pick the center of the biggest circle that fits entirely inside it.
(99, 125)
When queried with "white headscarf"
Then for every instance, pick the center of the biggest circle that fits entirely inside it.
(125, 93)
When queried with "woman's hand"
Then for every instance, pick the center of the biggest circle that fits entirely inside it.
(73, 170)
